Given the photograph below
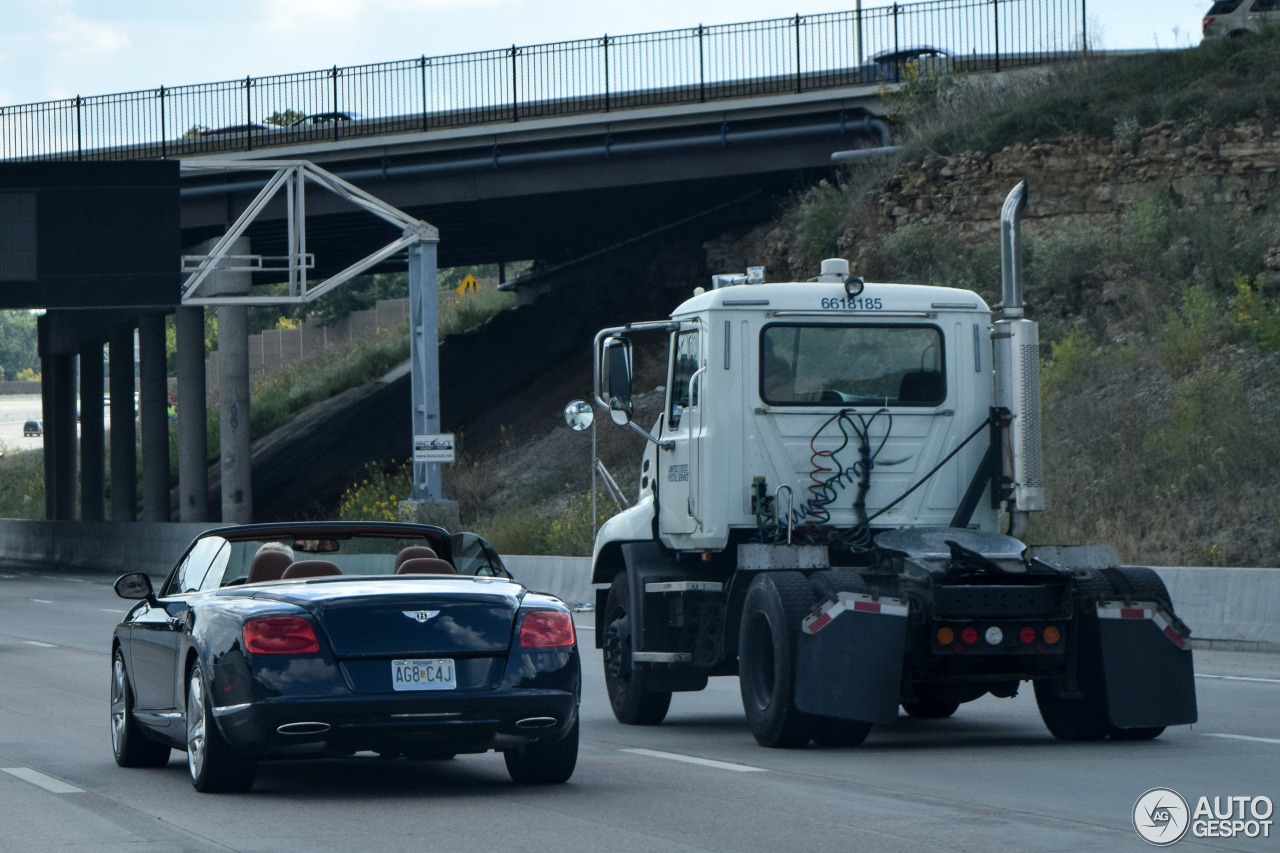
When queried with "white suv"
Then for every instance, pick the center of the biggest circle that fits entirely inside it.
(1240, 17)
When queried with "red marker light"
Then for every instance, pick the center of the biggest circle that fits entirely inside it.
(546, 629)
(969, 636)
(1027, 635)
(280, 635)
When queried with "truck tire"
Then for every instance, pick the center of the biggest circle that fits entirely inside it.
(1082, 716)
(775, 604)
(633, 703)
(1139, 584)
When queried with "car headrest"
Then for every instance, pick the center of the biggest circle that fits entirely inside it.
(412, 552)
(311, 569)
(426, 566)
(268, 566)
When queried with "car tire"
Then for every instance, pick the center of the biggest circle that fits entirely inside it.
(633, 702)
(132, 748)
(542, 763)
(215, 767)
(930, 709)
(775, 604)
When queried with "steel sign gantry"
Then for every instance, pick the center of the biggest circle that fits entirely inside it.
(211, 281)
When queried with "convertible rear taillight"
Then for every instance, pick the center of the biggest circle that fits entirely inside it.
(280, 635)
(546, 629)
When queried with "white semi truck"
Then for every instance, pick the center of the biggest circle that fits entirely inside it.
(819, 513)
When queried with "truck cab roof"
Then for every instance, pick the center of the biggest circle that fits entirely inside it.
(831, 297)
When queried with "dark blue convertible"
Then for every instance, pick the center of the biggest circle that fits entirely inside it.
(323, 639)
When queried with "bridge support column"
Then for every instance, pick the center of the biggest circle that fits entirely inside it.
(124, 436)
(193, 460)
(92, 438)
(236, 473)
(154, 399)
(58, 392)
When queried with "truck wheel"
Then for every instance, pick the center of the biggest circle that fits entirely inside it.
(633, 703)
(930, 709)
(1140, 584)
(1084, 715)
(775, 604)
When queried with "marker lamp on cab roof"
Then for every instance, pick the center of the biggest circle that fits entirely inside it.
(755, 275)
(853, 286)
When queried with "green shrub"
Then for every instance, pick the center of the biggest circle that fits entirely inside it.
(379, 494)
(1191, 331)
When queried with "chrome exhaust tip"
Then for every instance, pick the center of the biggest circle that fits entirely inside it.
(303, 729)
(537, 723)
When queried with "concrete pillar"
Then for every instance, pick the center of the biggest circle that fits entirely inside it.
(92, 440)
(424, 358)
(233, 414)
(193, 438)
(60, 436)
(236, 473)
(154, 409)
(124, 436)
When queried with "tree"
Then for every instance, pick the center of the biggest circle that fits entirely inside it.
(18, 348)
(284, 119)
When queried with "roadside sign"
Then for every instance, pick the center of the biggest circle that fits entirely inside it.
(433, 448)
(470, 284)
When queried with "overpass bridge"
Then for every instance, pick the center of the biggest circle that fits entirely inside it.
(544, 152)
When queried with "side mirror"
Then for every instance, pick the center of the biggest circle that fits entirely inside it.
(617, 369)
(620, 411)
(135, 586)
(578, 415)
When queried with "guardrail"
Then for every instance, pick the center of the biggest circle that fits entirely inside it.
(700, 64)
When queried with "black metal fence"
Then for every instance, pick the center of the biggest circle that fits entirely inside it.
(773, 57)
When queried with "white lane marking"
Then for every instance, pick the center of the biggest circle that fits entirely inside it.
(35, 777)
(40, 644)
(59, 578)
(42, 601)
(111, 610)
(1243, 737)
(690, 759)
(1240, 678)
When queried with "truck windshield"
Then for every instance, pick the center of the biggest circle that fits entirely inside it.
(811, 365)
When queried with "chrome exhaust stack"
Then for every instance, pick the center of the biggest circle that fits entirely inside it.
(1015, 343)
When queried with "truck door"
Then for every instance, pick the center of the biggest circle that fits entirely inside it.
(682, 425)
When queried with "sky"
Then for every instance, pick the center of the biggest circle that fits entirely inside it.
(53, 49)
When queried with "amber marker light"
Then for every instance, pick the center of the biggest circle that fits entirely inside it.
(945, 636)
(1052, 635)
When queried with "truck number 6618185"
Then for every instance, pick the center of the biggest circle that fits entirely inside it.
(860, 303)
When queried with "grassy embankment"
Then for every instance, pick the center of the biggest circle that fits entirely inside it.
(1162, 427)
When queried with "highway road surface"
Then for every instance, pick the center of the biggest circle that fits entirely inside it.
(989, 779)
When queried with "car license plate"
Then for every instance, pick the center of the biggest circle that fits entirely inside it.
(423, 674)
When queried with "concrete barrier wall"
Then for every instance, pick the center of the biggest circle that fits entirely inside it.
(1225, 608)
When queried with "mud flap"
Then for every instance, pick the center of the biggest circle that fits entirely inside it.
(1146, 661)
(849, 658)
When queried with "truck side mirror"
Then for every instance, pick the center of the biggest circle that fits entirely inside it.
(617, 370)
(620, 411)
(578, 415)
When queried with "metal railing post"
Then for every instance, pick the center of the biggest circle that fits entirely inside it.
(702, 69)
(1084, 27)
(422, 64)
(163, 151)
(606, 72)
(897, 66)
(79, 146)
(248, 112)
(798, 83)
(515, 109)
(857, 17)
(334, 73)
(995, 8)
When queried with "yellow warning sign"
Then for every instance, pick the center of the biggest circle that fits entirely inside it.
(470, 284)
